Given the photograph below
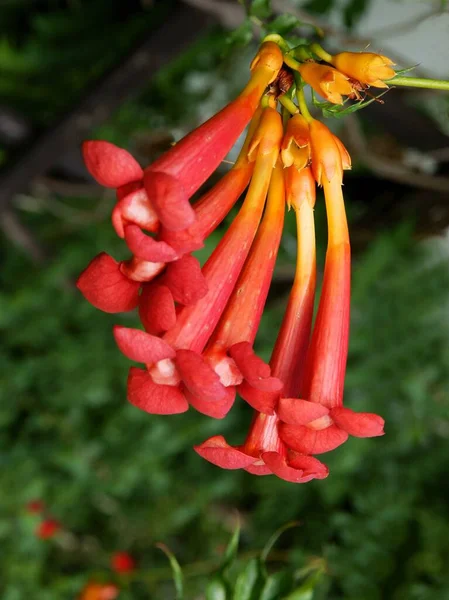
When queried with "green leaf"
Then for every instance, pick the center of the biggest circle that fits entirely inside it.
(283, 24)
(239, 37)
(274, 538)
(176, 570)
(261, 9)
(276, 585)
(319, 6)
(247, 580)
(353, 11)
(232, 547)
(216, 590)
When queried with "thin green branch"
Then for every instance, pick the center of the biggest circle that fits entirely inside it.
(418, 82)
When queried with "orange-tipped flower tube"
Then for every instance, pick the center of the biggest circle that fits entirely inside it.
(326, 81)
(367, 67)
(327, 160)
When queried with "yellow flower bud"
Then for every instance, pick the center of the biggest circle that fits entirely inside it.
(367, 67)
(269, 59)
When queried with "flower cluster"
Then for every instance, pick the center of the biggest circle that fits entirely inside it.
(200, 324)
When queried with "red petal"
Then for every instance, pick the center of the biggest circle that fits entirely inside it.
(199, 377)
(141, 346)
(156, 308)
(310, 466)
(104, 285)
(358, 424)
(263, 402)
(185, 280)
(300, 412)
(145, 247)
(217, 409)
(187, 240)
(279, 467)
(259, 470)
(309, 441)
(169, 199)
(154, 398)
(110, 165)
(251, 366)
(217, 451)
(135, 208)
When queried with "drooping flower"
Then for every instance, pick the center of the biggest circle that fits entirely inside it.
(230, 349)
(122, 562)
(326, 81)
(159, 389)
(161, 193)
(317, 421)
(114, 287)
(263, 451)
(367, 67)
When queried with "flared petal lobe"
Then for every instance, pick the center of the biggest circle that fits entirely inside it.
(104, 285)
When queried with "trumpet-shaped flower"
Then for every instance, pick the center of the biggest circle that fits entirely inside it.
(196, 323)
(317, 422)
(263, 451)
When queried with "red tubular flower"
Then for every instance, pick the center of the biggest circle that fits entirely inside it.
(99, 591)
(122, 562)
(114, 287)
(317, 422)
(48, 529)
(195, 157)
(196, 323)
(229, 350)
(264, 452)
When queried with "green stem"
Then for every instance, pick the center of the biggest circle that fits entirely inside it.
(277, 39)
(417, 82)
(300, 97)
(321, 52)
(288, 104)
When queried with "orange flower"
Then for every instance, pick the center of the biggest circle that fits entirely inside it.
(295, 148)
(367, 67)
(326, 81)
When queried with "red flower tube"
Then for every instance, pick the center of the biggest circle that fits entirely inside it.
(229, 350)
(317, 422)
(263, 451)
(158, 389)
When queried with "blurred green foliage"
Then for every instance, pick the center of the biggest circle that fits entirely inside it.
(119, 479)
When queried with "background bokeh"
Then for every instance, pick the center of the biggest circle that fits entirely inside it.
(119, 479)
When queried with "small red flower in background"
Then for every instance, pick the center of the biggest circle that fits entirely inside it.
(99, 591)
(47, 529)
(35, 507)
(122, 562)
